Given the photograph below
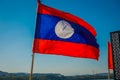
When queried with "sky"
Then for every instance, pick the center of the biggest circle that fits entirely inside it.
(17, 27)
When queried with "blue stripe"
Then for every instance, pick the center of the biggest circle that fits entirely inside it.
(45, 29)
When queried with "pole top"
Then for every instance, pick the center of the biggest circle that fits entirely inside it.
(39, 1)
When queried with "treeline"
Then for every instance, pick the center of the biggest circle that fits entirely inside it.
(27, 78)
(50, 77)
(89, 77)
(14, 78)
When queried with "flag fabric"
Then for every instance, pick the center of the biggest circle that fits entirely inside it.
(110, 59)
(61, 33)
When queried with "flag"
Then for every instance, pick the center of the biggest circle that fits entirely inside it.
(110, 59)
(61, 33)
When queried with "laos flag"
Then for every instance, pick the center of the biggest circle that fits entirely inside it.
(61, 33)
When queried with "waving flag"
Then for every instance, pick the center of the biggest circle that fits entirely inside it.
(61, 33)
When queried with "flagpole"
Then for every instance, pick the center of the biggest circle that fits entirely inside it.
(108, 74)
(31, 73)
(108, 62)
(32, 64)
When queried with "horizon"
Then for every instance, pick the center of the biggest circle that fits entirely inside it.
(52, 73)
(17, 28)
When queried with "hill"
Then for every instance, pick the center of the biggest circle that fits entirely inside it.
(50, 76)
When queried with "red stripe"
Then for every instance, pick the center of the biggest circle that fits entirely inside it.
(65, 48)
(110, 59)
(51, 11)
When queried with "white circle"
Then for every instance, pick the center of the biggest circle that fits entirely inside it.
(63, 29)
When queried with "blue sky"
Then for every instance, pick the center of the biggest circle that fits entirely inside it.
(17, 25)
